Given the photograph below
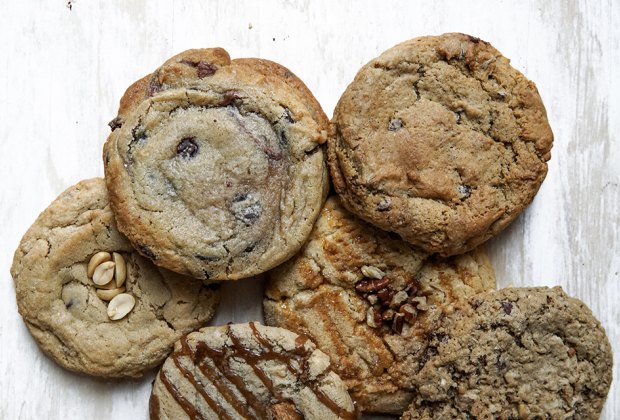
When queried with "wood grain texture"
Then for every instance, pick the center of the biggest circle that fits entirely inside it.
(63, 71)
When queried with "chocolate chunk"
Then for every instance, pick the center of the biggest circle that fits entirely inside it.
(204, 68)
(384, 205)
(246, 208)
(288, 116)
(395, 124)
(464, 191)
(115, 123)
(138, 133)
(146, 251)
(507, 307)
(187, 148)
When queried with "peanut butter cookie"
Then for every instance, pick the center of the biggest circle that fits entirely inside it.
(440, 140)
(91, 302)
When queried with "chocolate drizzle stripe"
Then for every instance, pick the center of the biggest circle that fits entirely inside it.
(213, 404)
(174, 392)
(213, 376)
(303, 352)
(220, 359)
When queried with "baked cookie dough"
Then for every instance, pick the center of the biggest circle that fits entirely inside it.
(369, 301)
(248, 371)
(60, 305)
(440, 140)
(516, 353)
(215, 167)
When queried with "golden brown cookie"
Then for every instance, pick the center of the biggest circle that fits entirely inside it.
(369, 301)
(215, 167)
(440, 140)
(72, 318)
(248, 371)
(530, 353)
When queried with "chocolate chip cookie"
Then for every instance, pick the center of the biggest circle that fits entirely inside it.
(516, 353)
(369, 300)
(440, 140)
(215, 167)
(119, 329)
(248, 371)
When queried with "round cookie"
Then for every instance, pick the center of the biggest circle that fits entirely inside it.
(369, 301)
(440, 140)
(248, 371)
(215, 167)
(515, 353)
(60, 305)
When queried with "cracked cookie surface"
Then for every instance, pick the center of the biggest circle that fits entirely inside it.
(325, 292)
(440, 140)
(515, 353)
(59, 303)
(215, 166)
(248, 371)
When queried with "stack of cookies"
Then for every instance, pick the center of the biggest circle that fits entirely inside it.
(379, 298)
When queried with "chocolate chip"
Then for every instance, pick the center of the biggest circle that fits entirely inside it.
(395, 124)
(187, 148)
(146, 251)
(384, 205)
(507, 307)
(204, 68)
(115, 123)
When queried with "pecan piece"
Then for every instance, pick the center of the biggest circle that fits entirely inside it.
(371, 285)
(397, 323)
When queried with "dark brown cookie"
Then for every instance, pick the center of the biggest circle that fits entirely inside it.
(516, 353)
(215, 167)
(440, 140)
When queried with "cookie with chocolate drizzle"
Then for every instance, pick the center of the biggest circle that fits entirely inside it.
(248, 371)
(215, 166)
(369, 300)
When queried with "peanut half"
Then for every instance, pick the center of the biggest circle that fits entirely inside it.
(95, 260)
(120, 271)
(120, 306)
(104, 273)
(108, 295)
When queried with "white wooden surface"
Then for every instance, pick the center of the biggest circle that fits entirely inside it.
(63, 70)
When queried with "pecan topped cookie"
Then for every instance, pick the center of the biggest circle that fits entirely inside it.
(440, 140)
(369, 300)
(215, 166)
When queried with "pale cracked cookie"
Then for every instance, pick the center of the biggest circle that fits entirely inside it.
(248, 371)
(440, 140)
(532, 353)
(63, 310)
(215, 166)
(369, 301)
